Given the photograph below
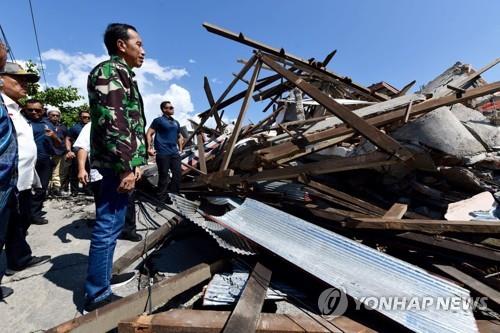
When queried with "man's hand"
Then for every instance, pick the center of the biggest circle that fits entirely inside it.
(70, 155)
(152, 151)
(138, 173)
(127, 182)
(83, 177)
(50, 133)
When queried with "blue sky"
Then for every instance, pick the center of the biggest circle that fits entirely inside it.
(394, 41)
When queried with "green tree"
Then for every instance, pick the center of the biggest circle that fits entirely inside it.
(64, 98)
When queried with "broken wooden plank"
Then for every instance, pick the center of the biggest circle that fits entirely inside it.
(108, 316)
(374, 210)
(428, 226)
(373, 134)
(455, 245)
(215, 107)
(209, 321)
(145, 245)
(405, 89)
(471, 282)
(201, 153)
(397, 211)
(229, 147)
(246, 314)
(474, 76)
(211, 102)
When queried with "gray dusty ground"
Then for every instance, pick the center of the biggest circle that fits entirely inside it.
(52, 293)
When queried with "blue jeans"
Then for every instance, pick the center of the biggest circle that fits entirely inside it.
(110, 218)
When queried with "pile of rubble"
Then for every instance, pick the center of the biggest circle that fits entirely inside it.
(372, 190)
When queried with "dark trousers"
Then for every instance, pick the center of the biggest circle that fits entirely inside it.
(129, 226)
(5, 198)
(73, 176)
(17, 250)
(43, 168)
(164, 164)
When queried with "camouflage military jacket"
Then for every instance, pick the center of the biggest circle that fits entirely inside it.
(117, 136)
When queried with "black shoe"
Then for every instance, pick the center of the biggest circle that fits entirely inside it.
(89, 307)
(56, 192)
(34, 261)
(5, 292)
(131, 236)
(121, 279)
(39, 220)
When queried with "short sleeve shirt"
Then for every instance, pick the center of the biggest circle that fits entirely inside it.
(44, 145)
(167, 131)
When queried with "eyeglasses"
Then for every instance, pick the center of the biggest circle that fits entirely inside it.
(33, 110)
(85, 117)
(54, 115)
(168, 107)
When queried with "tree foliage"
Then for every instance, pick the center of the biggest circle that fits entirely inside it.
(64, 98)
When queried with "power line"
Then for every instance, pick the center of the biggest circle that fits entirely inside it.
(7, 45)
(38, 45)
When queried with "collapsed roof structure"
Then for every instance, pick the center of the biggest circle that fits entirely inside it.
(372, 190)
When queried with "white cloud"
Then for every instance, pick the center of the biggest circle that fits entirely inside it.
(153, 80)
(192, 61)
(180, 99)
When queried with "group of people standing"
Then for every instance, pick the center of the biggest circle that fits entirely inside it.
(35, 149)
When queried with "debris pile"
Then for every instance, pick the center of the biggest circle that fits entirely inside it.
(375, 191)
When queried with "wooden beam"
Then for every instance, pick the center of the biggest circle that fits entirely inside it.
(405, 89)
(373, 134)
(214, 108)
(107, 317)
(337, 201)
(397, 211)
(471, 282)
(328, 58)
(229, 147)
(428, 226)
(211, 102)
(209, 321)
(246, 314)
(455, 245)
(372, 160)
(474, 76)
(145, 245)
(374, 210)
(190, 167)
(201, 153)
(263, 83)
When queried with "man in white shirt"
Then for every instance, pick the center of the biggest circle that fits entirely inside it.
(82, 145)
(17, 250)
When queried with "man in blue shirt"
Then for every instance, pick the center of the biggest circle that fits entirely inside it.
(167, 143)
(73, 134)
(45, 139)
(8, 167)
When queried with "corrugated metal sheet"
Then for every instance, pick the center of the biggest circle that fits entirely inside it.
(344, 263)
(290, 190)
(225, 238)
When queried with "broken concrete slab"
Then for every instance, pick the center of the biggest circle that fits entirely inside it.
(442, 131)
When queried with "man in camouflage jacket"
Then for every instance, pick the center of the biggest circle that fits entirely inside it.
(117, 148)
